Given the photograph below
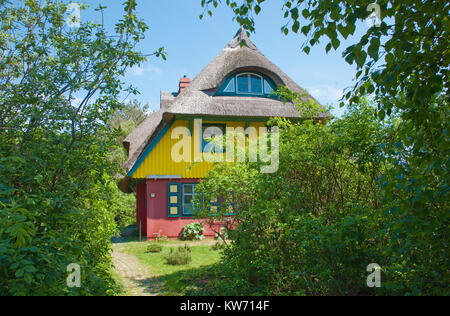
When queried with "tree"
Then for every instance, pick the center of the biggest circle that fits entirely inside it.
(403, 62)
(406, 55)
(312, 227)
(124, 121)
(59, 86)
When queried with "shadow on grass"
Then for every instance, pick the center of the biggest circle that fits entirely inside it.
(151, 286)
(124, 240)
(190, 282)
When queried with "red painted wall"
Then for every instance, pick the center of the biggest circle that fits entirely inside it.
(157, 221)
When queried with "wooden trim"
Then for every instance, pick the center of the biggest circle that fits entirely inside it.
(155, 177)
(146, 152)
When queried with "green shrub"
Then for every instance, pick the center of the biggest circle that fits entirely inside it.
(193, 231)
(162, 238)
(312, 227)
(154, 247)
(57, 192)
(222, 234)
(180, 256)
(218, 246)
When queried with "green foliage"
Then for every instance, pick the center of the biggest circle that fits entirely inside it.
(416, 189)
(218, 246)
(154, 247)
(122, 206)
(180, 256)
(162, 238)
(193, 231)
(222, 234)
(312, 227)
(124, 121)
(401, 56)
(56, 189)
(403, 62)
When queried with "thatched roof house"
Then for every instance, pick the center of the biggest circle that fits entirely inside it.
(236, 86)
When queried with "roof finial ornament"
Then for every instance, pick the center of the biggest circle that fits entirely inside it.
(241, 37)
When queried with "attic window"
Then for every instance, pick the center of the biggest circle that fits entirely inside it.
(230, 87)
(247, 84)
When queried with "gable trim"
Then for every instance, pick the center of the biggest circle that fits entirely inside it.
(149, 149)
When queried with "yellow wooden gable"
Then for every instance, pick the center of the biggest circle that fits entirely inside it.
(159, 161)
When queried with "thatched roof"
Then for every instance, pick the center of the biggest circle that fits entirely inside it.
(199, 97)
(140, 136)
(167, 99)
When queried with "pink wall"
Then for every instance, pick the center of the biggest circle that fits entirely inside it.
(158, 222)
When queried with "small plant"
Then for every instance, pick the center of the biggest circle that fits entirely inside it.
(193, 231)
(180, 256)
(162, 238)
(154, 248)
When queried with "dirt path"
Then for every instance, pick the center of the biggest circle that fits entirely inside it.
(136, 278)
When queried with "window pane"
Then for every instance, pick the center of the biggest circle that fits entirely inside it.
(187, 199)
(188, 210)
(256, 84)
(242, 83)
(267, 88)
(187, 188)
(230, 86)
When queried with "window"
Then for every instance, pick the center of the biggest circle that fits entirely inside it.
(229, 204)
(267, 88)
(230, 87)
(250, 84)
(256, 84)
(209, 131)
(188, 195)
(243, 86)
(214, 206)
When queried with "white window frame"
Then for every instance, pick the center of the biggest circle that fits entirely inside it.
(249, 76)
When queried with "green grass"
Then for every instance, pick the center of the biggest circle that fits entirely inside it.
(119, 283)
(179, 280)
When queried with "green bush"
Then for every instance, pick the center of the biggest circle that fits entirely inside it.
(180, 256)
(313, 227)
(218, 246)
(222, 234)
(57, 192)
(193, 231)
(154, 248)
(162, 238)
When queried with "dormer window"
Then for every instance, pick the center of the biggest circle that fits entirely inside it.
(248, 84)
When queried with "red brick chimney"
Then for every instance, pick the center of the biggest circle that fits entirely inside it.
(184, 82)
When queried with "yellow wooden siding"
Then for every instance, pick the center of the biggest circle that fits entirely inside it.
(159, 161)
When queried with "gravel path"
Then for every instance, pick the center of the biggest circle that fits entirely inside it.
(137, 279)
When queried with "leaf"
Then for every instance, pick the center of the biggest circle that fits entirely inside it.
(335, 42)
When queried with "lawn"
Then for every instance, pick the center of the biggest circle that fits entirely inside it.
(190, 279)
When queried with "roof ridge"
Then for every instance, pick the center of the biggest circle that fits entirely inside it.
(241, 38)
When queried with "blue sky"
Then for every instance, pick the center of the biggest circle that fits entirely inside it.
(192, 43)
